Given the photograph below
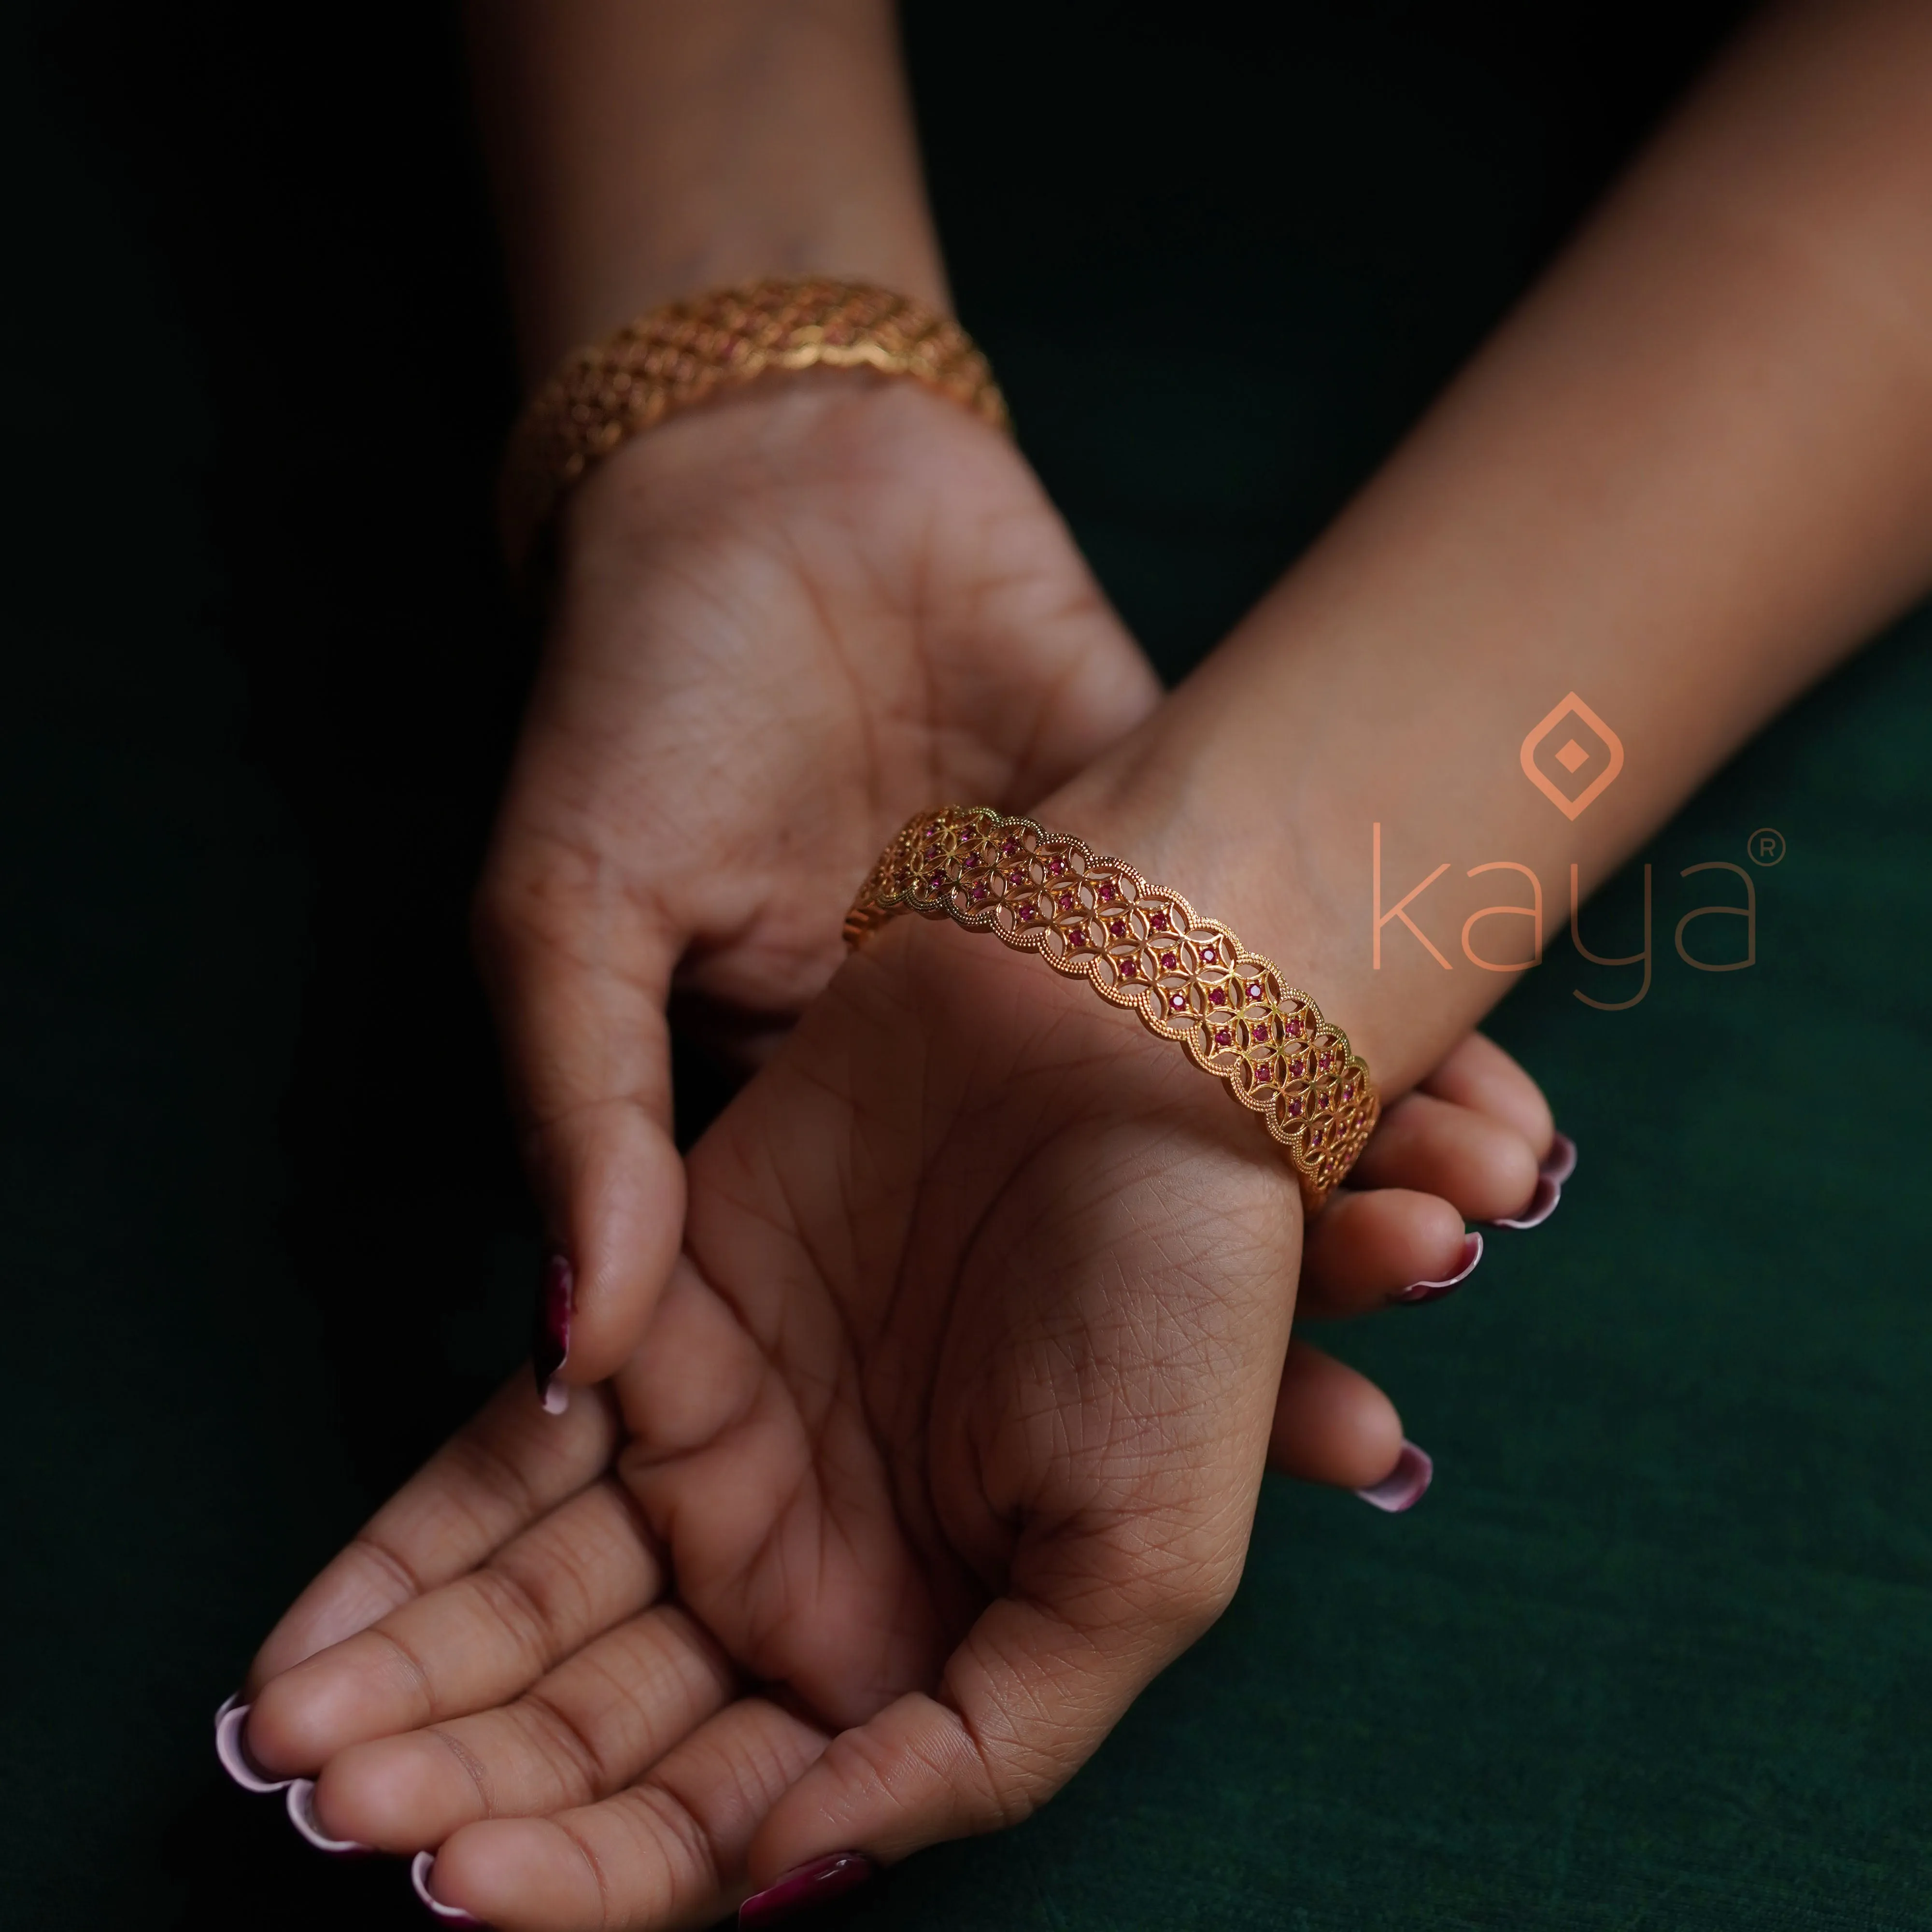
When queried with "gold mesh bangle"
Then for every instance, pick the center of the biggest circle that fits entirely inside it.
(1142, 947)
(687, 351)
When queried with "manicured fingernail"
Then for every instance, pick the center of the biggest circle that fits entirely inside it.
(1542, 1205)
(549, 1332)
(229, 1722)
(818, 1883)
(1434, 1291)
(301, 1815)
(421, 1866)
(1560, 1163)
(1405, 1485)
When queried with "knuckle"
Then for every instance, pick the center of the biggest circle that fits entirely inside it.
(392, 1573)
(894, 1774)
(677, 1836)
(520, 1616)
(488, 1480)
(473, 1767)
(1184, 1589)
(557, 1580)
(1204, 1593)
(571, 1750)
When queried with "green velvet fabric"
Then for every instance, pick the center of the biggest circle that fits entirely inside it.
(1657, 1650)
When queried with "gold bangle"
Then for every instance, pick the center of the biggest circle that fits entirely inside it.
(1143, 947)
(686, 351)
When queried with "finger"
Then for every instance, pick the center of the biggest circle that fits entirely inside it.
(1369, 1248)
(578, 971)
(595, 1723)
(472, 1643)
(1332, 1424)
(500, 1472)
(669, 1851)
(1040, 1680)
(1480, 1076)
(1483, 1167)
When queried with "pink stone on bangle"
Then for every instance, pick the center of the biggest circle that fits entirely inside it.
(936, 868)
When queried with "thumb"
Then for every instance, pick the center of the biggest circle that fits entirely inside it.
(1040, 1680)
(577, 971)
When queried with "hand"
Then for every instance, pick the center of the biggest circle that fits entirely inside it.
(785, 623)
(949, 1428)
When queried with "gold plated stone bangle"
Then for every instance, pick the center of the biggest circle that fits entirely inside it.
(1142, 947)
(686, 351)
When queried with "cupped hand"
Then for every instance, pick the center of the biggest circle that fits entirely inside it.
(945, 1437)
(784, 623)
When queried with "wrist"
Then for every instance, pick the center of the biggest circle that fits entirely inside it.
(805, 439)
(678, 358)
(1140, 944)
(1271, 849)
(560, 311)
(1192, 824)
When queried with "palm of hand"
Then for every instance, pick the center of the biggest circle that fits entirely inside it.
(785, 624)
(974, 1321)
(949, 1426)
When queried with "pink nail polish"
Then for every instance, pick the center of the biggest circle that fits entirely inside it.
(1560, 1163)
(301, 1815)
(1542, 1205)
(230, 1722)
(816, 1884)
(1434, 1291)
(421, 1866)
(1405, 1485)
(549, 1332)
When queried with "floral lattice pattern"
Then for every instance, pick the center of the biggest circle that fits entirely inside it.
(1143, 947)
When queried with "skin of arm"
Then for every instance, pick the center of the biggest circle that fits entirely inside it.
(642, 150)
(1690, 473)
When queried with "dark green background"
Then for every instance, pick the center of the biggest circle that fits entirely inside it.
(1656, 1652)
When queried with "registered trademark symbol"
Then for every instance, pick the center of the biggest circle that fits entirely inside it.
(1765, 846)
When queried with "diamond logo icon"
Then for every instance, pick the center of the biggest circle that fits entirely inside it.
(1588, 751)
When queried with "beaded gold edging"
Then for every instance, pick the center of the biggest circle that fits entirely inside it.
(686, 351)
(1142, 947)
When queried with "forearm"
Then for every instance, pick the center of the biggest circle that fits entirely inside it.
(645, 149)
(1693, 471)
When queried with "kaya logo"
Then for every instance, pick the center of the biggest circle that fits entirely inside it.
(1572, 757)
(1573, 738)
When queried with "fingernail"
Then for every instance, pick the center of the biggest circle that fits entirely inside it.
(1405, 1485)
(301, 1815)
(421, 1866)
(818, 1883)
(1560, 1163)
(229, 1722)
(1434, 1291)
(549, 1333)
(1542, 1205)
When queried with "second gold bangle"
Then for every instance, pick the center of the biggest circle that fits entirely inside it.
(685, 352)
(1143, 947)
